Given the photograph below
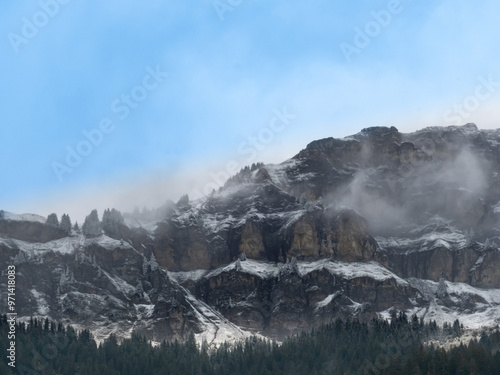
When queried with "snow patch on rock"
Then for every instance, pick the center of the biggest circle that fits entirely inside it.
(42, 305)
(325, 302)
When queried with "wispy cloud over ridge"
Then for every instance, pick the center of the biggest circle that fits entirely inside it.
(226, 77)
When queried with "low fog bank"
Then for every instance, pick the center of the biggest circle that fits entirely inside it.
(456, 184)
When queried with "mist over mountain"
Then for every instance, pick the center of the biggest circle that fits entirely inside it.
(352, 227)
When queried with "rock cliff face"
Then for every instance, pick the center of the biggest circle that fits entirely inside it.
(347, 227)
(30, 231)
(280, 300)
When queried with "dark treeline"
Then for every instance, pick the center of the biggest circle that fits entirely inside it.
(340, 348)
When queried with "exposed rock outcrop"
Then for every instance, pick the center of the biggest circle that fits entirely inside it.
(347, 227)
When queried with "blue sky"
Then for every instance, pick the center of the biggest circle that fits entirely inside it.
(184, 88)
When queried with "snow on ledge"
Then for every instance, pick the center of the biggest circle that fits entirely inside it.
(265, 270)
(372, 270)
(68, 245)
(24, 217)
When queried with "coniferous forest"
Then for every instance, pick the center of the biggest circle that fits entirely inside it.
(340, 348)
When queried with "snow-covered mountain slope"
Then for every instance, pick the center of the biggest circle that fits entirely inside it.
(346, 228)
(474, 307)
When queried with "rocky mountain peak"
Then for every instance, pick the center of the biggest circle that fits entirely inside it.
(380, 134)
(347, 227)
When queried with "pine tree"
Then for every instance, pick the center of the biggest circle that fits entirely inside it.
(65, 224)
(92, 227)
(183, 201)
(52, 220)
(111, 221)
(415, 323)
(76, 227)
(457, 329)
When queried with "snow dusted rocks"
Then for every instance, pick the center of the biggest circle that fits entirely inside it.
(279, 299)
(262, 221)
(99, 284)
(349, 227)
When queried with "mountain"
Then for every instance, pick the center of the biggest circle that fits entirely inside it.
(351, 227)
